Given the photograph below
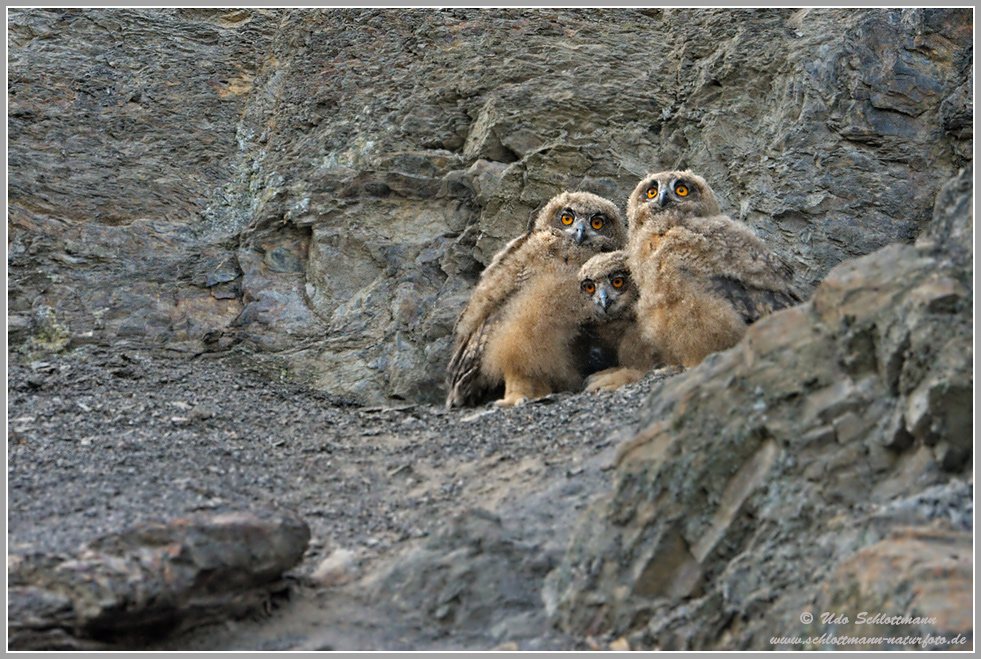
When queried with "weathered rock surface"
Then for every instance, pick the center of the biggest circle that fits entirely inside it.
(322, 188)
(822, 465)
(318, 191)
(915, 583)
(471, 574)
(102, 440)
(124, 589)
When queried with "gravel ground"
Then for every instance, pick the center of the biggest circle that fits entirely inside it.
(101, 439)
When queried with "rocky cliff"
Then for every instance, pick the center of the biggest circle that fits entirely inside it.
(321, 188)
(316, 192)
(823, 465)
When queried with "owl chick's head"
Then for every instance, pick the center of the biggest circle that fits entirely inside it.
(586, 219)
(666, 197)
(605, 281)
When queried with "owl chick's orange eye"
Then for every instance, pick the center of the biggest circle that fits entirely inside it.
(681, 191)
(589, 287)
(597, 223)
(566, 218)
(618, 282)
(652, 191)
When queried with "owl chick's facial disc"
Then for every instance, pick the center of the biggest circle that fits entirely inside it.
(605, 292)
(676, 193)
(580, 226)
(671, 191)
(585, 220)
(605, 281)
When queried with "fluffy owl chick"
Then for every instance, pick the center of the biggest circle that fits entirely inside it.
(611, 294)
(517, 333)
(703, 277)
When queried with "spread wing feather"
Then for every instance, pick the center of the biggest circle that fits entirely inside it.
(465, 386)
(500, 280)
(743, 270)
(752, 302)
(497, 283)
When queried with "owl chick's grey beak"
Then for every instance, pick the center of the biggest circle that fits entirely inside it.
(604, 299)
(662, 198)
(580, 234)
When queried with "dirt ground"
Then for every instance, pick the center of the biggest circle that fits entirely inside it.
(101, 439)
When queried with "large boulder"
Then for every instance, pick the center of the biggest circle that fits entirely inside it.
(323, 187)
(823, 465)
(122, 590)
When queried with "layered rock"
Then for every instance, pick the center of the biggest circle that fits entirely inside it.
(322, 188)
(823, 465)
(122, 590)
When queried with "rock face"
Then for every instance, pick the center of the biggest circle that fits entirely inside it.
(322, 188)
(469, 575)
(823, 465)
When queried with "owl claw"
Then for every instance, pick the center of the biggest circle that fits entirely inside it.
(511, 402)
(611, 379)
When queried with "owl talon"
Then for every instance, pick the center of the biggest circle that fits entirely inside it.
(612, 379)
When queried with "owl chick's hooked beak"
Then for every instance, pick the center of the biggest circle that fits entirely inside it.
(580, 234)
(662, 197)
(603, 300)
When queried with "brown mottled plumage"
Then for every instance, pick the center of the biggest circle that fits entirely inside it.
(703, 277)
(518, 331)
(609, 290)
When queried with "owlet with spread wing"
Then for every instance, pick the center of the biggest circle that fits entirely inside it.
(516, 338)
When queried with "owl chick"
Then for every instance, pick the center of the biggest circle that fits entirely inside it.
(517, 333)
(703, 277)
(609, 291)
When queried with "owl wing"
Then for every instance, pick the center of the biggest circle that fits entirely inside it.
(753, 302)
(503, 277)
(464, 384)
(746, 272)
